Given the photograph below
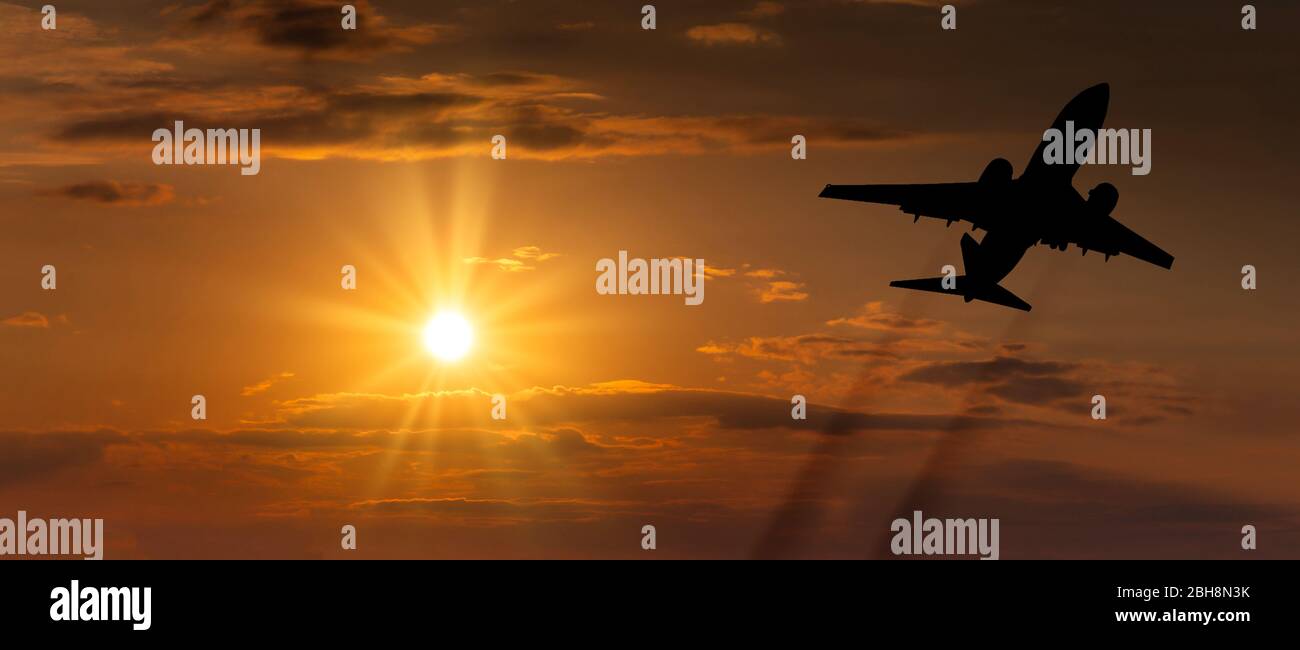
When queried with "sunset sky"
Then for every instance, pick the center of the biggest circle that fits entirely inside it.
(324, 408)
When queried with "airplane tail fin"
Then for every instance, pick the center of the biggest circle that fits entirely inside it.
(993, 293)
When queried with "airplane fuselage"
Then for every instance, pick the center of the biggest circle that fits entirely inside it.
(1034, 217)
(999, 253)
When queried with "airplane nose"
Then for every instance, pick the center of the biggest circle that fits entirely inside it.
(1098, 95)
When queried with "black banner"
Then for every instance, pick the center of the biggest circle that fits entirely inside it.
(312, 599)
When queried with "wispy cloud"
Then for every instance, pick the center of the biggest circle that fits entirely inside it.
(27, 319)
(732, 34)
(522, 258)
(533, 253)
(783, 291)
(265, 384)
(749, 32)
(874, 316)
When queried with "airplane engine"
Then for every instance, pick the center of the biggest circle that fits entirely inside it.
(998, 171)
(1102, 199)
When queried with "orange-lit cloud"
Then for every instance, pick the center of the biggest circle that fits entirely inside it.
(265, 384)
(27, 319)
(874, 316)
(371, 116)
(741, 33)
(783, 291)
(522, 258)
(733, 34)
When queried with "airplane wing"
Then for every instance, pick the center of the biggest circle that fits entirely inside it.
(947, 201)
(1108, 236)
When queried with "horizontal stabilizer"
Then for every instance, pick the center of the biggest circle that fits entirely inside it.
(928, 284)
(1000, 296)
(987, 293)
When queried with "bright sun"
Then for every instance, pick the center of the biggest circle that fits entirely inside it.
(448, 336)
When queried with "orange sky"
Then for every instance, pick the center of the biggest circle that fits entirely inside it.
(324, 409)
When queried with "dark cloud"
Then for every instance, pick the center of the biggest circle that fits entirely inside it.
(121, 126)
(388, 105)
(115, 193)
(490, 511)
(509, 79)
(1011, 379)
(566, 443)
(960, 373)
(26, 457)
(1037, 390)
(541, 115)
(1059, 385)
(344, 117)
(311, 27)
(30, 86)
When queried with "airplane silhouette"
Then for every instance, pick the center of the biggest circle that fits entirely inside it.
(1040, 207)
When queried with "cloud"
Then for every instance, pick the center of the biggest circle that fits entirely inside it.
(33, 319)
(55, 61)
(265, 384)
(418, 126)
(881, 355)
(783, 291)
(1038, 391)
(762, 283)
(740, 33)
(27, 456)
(959, 373)
(533, 253)
(804, 348)
(435, 115)
(765, 9)
(115, 193)
(733, 34)
(1137, 394)
(1012, 379)
(502, 263)
(521, 259)
(874, 316)
(897, 335)
(308, 28)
